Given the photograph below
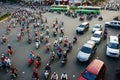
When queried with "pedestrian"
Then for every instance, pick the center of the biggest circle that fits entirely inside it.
(54, 76)
(64, 76)
(56, 21)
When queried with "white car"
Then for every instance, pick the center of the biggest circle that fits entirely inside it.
(114, 24)
(113, 49)
(97, 27)
(97, 36)
(82, 27)
(86, 51)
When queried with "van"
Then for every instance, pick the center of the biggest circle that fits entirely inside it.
(94, 71)
(113, 48)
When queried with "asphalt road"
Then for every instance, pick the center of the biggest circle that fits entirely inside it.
(22, 49)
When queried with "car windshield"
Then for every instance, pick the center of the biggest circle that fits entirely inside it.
(86, 49)
(113, 45)
(81, 26)
(97, 26)
(96, 35)
(89, 76)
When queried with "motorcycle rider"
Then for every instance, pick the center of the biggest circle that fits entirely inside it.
(64, 76)
(35, 74)
(19, 36)
(31, 55)
(47, 67)
(48, 46)
(38, 60)
(105, 33)
(7, 63)
(9, 47)
(46, 38)
(47, 31)
(52, 55)
(61, 30)
(74, 39)
(54, 76)
(41, 37)
(38, 57)
(65, 41)
(69, 46)
(14, 72)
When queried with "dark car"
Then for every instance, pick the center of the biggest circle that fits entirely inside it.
(82, 27)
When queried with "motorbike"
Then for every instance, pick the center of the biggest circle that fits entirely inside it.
(64, 60)
(29, 41)
(8, 30)
(14, 74)
(60, 39)
(54, 34)
(52, 57)
(37, 44)
(18, 37)
(105, 36)
(47, 73)
(82, 18)
(65, 43)
(30, 61)
(4, 40)
(74, 40)
(9, 52)
(100, 18)
(47, 32)
(89, 17)
(37, 63)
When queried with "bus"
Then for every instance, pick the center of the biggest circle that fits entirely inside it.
(88, 10)
(58, 8)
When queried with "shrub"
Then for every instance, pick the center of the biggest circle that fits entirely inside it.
(4, 16)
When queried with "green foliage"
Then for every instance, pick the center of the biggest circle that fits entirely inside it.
(4, 16)
(14, 0)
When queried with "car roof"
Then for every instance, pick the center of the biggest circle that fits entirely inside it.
(115, 21)
(114, 39)
(91, 42)
(84, 23)
(88, 45)
(95, 66)
(97, 32)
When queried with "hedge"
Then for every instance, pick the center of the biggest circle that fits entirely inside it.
(4, 16)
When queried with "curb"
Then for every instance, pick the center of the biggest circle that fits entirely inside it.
(3, 20)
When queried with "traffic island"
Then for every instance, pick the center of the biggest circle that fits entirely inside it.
(4, 16)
